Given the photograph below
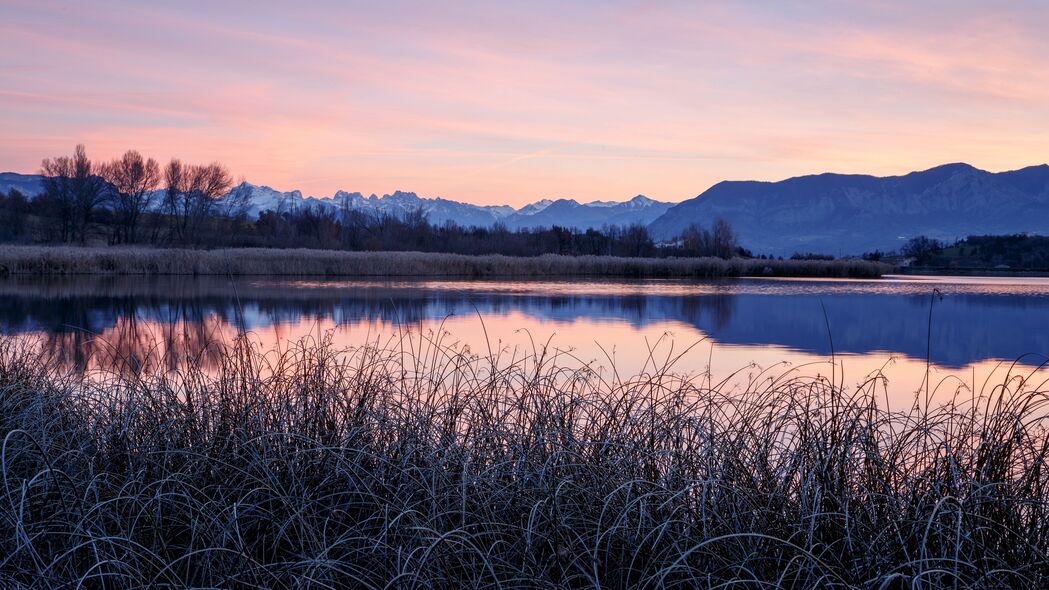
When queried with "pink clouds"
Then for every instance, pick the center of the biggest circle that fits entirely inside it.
(516, 102)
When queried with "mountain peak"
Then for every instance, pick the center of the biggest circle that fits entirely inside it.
(535, 207)
(944, 170)
(565, 202)
(951, 167)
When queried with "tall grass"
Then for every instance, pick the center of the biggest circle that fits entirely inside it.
(416, 464)
(48, 260)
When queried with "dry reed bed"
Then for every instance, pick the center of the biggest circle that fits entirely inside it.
(419, 465)
(46, 260)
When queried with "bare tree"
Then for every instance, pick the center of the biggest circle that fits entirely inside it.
(718, 241)
(414, 218)
(635, 241)
(235, 204)
(70, 183)
(191, 197)
(134, 181)
(14, 209)
(695, 241)
(922, 249)
(58, 192)
(724, 239)
(89, 190)
(177, 184)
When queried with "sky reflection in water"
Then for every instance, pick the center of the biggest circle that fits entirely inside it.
(745, 324)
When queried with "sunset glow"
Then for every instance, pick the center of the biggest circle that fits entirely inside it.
(514, 102)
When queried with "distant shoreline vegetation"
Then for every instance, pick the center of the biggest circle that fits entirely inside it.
(134, 216)
(133, 201)
(66, 260)
(1015, 254)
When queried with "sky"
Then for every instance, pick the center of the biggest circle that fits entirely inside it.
(511, 102)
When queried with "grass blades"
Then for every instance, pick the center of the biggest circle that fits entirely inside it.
(419, 465)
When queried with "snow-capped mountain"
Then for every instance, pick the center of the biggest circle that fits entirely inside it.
(438, 211)
(570, 213)
(29, 185)
(535, 207)
(828, 213)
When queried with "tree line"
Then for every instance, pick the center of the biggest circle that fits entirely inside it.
(175, 201)
(136, 200)
(1016, 251)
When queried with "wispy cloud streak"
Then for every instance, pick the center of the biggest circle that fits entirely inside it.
(510, 102)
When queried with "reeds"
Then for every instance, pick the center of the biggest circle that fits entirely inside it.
(48, 260)
(414, 463)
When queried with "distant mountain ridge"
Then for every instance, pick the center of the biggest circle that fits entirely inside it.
(854, 213)
(827, 213)
(545, 213)
(29, 185)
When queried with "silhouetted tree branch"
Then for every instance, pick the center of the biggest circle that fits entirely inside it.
(134, 181)
(74, 191)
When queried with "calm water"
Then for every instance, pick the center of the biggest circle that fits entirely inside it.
(738, 327)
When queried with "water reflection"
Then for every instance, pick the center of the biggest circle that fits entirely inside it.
(156, 322)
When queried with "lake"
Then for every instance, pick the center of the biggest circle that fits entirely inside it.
(734, 330)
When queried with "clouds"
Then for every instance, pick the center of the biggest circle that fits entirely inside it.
(510, 102)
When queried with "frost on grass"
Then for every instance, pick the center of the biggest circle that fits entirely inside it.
(422, 465)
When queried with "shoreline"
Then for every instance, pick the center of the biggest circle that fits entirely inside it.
(72, 260)
(969, 272)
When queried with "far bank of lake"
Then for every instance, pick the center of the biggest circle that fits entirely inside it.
(71, 260)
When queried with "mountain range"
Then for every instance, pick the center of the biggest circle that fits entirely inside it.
(545, 213)
(438, 211)
(853, 213)
(826, 213)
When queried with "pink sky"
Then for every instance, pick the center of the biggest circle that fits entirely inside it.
(510, 102)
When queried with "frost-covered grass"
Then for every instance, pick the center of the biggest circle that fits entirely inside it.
(416, 464)
(58, 260)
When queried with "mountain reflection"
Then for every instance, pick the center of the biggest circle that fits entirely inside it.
(160, 322)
